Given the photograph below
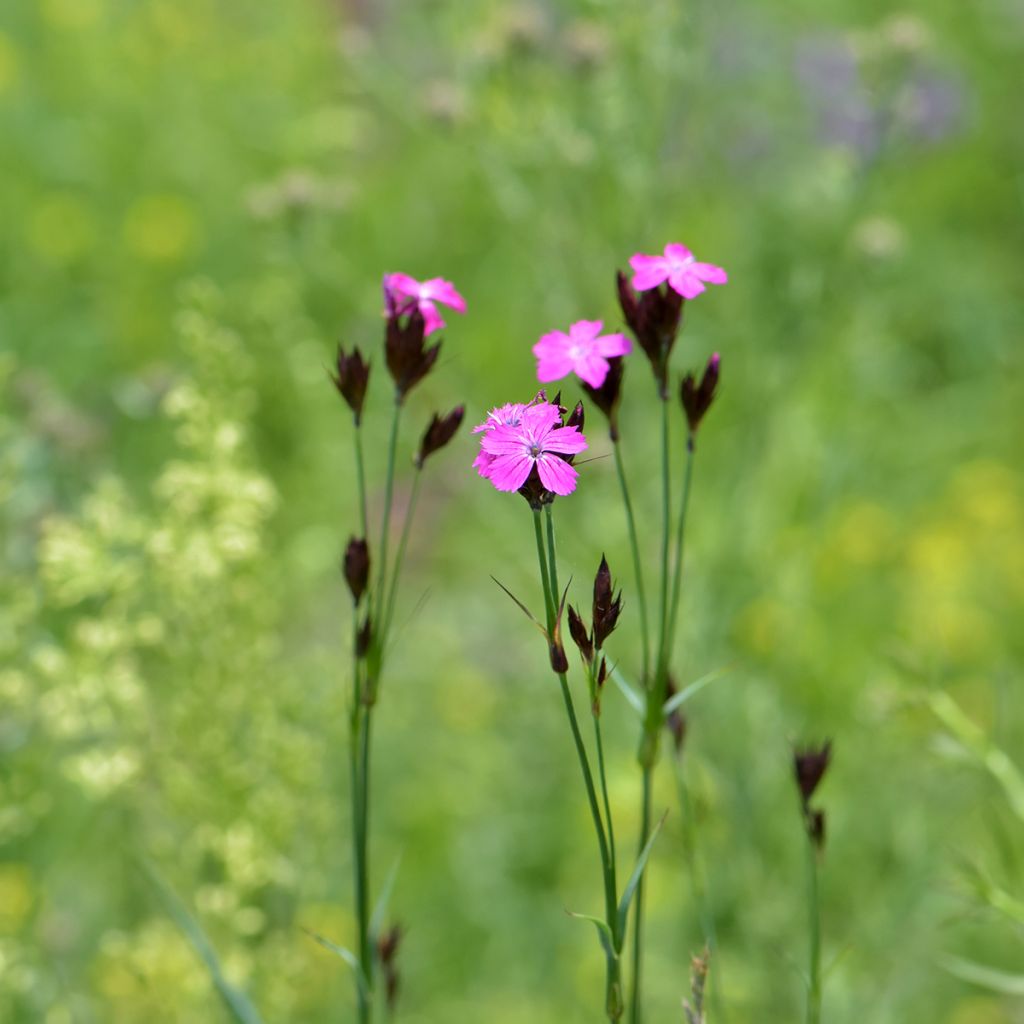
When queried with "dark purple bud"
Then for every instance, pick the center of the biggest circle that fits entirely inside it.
(439, 432)
(810, 765)
(607, 606)
(356, 567)
(556, 650)
(576, 417)
(409, 359)
(697, 398)
(350, 378)
(363, 638)
(608, 395)
(653, 316)
(579, 634)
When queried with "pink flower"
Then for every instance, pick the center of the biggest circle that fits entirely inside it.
(508, 415)
(583, 351)
(537, 440)
(679, 267)
(425, 295)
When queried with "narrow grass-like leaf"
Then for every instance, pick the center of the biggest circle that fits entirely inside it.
(522, 607)
(987, 977)
(986, 753)
(629, 691)
(235, 1000)
(604, 933)
(381, 907)
(679, 699)
(634, 879)
(346, 954)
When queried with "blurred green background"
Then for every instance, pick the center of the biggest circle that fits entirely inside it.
(199, 199)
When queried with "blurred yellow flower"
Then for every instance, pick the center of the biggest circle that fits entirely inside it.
(60, 229)
(16, 896)
(161, 228)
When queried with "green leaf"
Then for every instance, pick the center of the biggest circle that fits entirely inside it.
(381, 907)
(604, 933)
(522, 607)
(987, 977)
(634, 879)
(679, 699)
(985, 753)
(346, 954)
(629, 691)
(234, 999)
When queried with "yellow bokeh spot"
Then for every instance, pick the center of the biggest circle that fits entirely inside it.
(989, 494)
(979, 1010)
(940, 554)
(864, 534)
(761, 624)
(160, 228)
(72, 13)
(8, 64)
(61, 229)
(16, 897)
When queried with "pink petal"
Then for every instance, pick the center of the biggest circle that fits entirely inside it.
(684, 282)
(541, 416)
(613, 345)
(554, 368)
(710, 273)
(584, 331)
(402, 284)
(509, 472)
(592, 369)
(440, 290)
(482, 464)
(677, 253)
(552, 343)
(504, 441)
(566, 440)
(556, 474)
(432, 319)
(650, 271)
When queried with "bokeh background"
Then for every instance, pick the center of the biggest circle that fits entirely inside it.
(199, 199)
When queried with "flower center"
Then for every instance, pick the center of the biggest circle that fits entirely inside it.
(534, 451)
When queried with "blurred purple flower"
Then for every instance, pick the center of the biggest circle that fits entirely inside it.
(424, 295)
(584, 351)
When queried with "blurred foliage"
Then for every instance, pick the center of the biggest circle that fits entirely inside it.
(199, 198)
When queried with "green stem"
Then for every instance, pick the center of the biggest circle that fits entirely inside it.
(361, 479)
(677, 571)
(389, 488)
(613, 989)
(400, 556)
(604, 794)
(666, 515)
(556, 593)
(358, 766)
(635, 1005)
(637, 564)
(814, 923)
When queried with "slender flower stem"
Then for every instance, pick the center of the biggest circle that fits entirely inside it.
(359, 715)
(666, 513)
(637, 564)
(814, 929)
(357, 434)
(604, 794)
(677, 571)
(400, 555)
(548, 575)
(556, 590)
(635, 1004)
(389, 488)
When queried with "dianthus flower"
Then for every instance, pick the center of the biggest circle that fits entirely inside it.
(583, 351)
(537, 441)
(424, 295)
(679, 267)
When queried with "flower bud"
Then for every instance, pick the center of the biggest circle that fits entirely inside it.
(408, 358)
(653, 316)
(606, 606)
(809, 766)
(697, 398)
(608, 395)
(363, 638)
(350, 378)
(578, 631)
(387, 950)
(439, 432)
(356, 567)
(675, 721)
